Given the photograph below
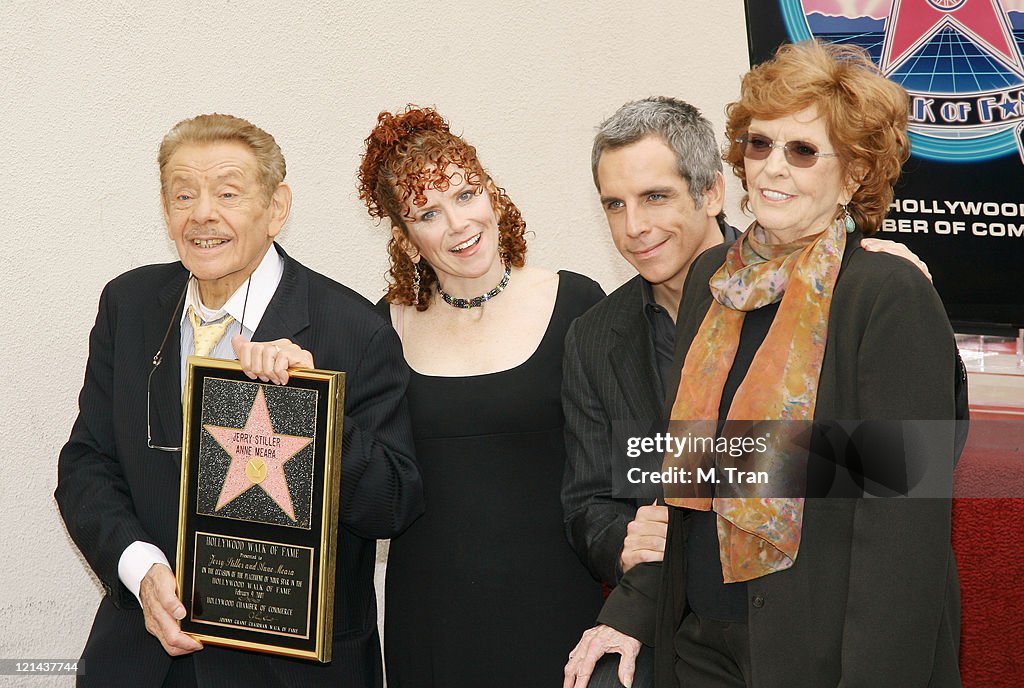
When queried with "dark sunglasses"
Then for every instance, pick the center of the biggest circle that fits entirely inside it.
(798, 153)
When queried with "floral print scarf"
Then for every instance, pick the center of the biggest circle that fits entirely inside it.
(759, 536)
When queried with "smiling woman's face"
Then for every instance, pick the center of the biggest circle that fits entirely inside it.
(456, 230)
(793, 202)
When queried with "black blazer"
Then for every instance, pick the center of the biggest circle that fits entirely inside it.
(610, 390)
(609, 377)
(112, 489)
(873, 598)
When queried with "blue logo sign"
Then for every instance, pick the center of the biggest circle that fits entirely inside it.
(960, 61)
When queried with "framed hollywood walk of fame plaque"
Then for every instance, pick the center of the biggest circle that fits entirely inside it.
(258, 511)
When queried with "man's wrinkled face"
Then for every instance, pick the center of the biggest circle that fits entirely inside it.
(218, 214)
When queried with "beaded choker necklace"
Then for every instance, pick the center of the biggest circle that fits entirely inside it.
(476, 301)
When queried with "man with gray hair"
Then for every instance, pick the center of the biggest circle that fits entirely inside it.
(658, 171)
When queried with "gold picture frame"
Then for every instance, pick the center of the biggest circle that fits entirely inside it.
(258, 508)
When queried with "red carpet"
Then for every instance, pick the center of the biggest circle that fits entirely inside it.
(988, 538)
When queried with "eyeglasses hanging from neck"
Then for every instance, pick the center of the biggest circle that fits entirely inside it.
(158, 359)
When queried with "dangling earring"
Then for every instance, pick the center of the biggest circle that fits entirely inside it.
(416, 284)
(848, 220)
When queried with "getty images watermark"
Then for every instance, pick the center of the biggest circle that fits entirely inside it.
(668, 444)
(783, 459)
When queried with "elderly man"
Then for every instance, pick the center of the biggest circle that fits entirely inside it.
(658, 170)
(224, 202)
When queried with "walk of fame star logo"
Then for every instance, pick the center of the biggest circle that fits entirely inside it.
(960, 61)
(913, 24)
(258, 455)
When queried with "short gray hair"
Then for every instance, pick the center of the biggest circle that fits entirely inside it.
(678, 124)
(215, 128)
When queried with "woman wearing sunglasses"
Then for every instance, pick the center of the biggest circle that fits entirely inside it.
(796, 322)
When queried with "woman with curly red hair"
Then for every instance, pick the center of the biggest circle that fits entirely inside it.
(484, 588)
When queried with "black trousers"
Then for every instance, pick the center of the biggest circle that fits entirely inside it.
(606, 672)
(712, 654)
(182, 673)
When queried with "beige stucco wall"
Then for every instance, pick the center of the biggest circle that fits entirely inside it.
(90, 87)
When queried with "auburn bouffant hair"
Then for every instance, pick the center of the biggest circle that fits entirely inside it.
(865, 115)
(406, 154)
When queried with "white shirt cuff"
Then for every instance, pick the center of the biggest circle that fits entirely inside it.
(135, 562)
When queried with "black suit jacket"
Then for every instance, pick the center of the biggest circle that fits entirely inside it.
(609, 378)
(112, 489)
(873, 598)
(610, 390)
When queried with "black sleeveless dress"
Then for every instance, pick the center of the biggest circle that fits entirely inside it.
(484, 589)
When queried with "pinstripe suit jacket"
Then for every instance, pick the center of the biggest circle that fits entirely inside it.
(113, 490)
(609, 381)
(609, 377)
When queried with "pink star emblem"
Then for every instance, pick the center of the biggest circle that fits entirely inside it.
(258, 455)
(912, 23)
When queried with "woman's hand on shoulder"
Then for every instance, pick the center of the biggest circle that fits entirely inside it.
(270, 361)
(895, 248)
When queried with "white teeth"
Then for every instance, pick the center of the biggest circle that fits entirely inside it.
(465, 244)
(207, 243)
(774, 195)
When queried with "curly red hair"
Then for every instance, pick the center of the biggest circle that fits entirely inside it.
(406, 154)
(865, 115)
